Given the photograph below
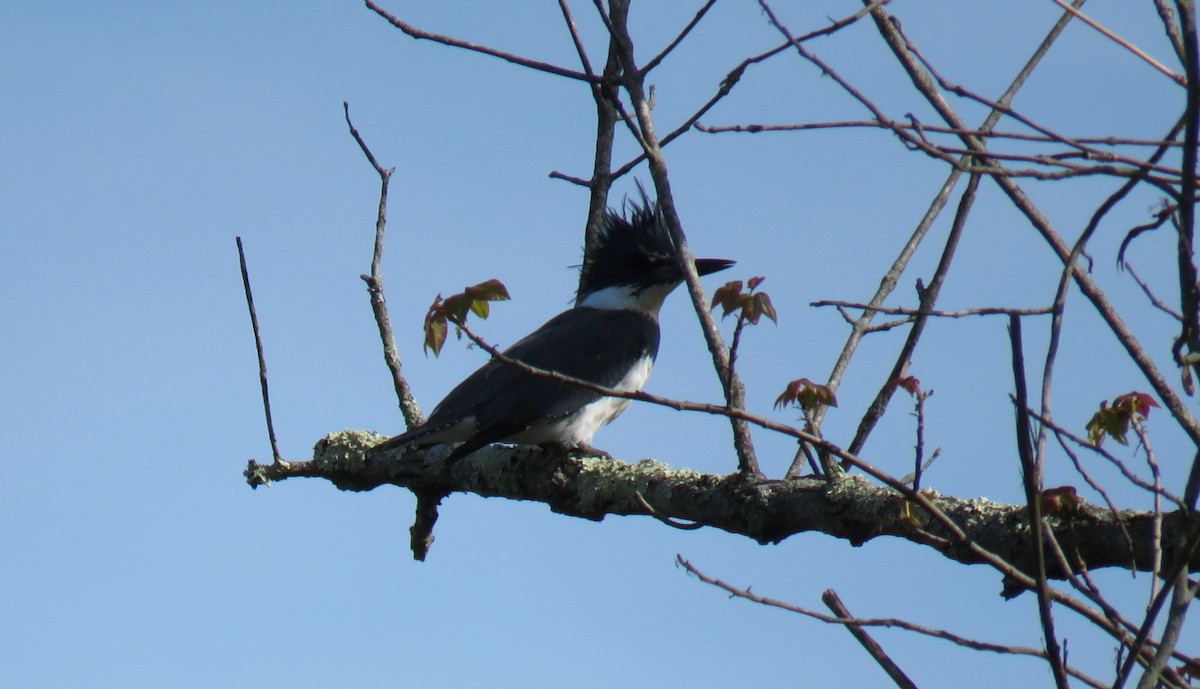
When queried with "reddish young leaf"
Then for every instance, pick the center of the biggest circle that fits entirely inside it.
(806, 394)
(727, 297)
(1062, 501)
(754, 282)
(765, 307)
(1137, 402)
(910, 383)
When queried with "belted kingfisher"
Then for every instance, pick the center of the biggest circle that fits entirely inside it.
(610, 338)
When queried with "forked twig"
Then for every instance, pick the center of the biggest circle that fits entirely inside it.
(417, 33)
(374, 281)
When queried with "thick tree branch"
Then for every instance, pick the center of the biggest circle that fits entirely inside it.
(767, 511)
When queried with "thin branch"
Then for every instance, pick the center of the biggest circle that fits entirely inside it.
(605, 98)
(731, 79)
(872, 124)
(1186, 547)
(1137, 353)
(927, 297)
(1189, 292)
(679, 38)
(832, 601)
(1144, 440)
(633, 82)
(962, 313)
(404, 395)
(258, 346)
(1185, 591)
(1121, 42)
(690, 526)
(1031, 475)
(919, 464)
(1154, 301)
(1161, 217)
(1064, 282)
(639, 395)
(878, 622)
(1087, 477)
(416, 33)
(861, 326)
(1170, 27)
(1112, 459)
(890, 279)
(578, 43)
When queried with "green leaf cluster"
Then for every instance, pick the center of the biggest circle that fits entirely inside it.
(1114, 421)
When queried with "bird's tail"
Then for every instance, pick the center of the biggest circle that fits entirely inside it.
(396, 441)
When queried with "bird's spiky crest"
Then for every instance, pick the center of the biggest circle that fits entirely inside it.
(627, 249)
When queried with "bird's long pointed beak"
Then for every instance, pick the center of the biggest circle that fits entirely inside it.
(704, 266)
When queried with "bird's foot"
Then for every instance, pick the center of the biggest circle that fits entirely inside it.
(588, 451)
(575, 450)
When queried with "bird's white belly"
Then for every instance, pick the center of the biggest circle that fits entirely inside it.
(580, 426)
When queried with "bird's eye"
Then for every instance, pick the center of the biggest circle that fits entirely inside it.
(646, 261)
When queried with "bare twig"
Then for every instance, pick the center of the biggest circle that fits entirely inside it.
(1144, 439)
(733, 77)
(962, 313)
(1137, 353)
(1185, 591)
(872, 124)
(258, 346)
(1121, 42)
(633, 82)
(416, 33)
(673, 523)
(605, 97)
(861, 326)
(928, 297)
(1175, 576)
(877, 622)
(1031, 474)
(1170, 27)
(1154, 300)
(890, 279)
(1189, 291)
(408, 402)
(1087, 477)
(919, 465)
(1112, 459)
(832, 601)
(654, 61)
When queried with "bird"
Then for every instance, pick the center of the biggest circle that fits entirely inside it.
(609, 337)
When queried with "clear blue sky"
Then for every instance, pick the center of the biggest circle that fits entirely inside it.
(138, 138)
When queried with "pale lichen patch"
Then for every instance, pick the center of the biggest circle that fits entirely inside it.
(345, 450)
